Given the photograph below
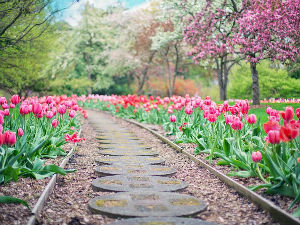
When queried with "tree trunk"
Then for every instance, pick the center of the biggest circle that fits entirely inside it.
(255, 84)
(144, 75)
(86, 58)
(222, 78)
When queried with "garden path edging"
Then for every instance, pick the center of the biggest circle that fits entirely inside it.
(49, 188)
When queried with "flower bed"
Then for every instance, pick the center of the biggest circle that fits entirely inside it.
(269, 152)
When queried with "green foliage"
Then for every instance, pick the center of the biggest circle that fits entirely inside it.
(274, 83)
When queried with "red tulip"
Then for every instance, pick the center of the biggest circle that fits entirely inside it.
(288, 133)
(273, 136)
(298, 113)
(10, 138)
(256, 156)
(212, 118)
(251, 119)
(55, 123)
(20, 132)
(271, 125)
(15, 99)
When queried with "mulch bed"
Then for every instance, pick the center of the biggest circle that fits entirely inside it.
(68, 203)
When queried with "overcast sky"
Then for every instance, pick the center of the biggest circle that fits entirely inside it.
(72, 14)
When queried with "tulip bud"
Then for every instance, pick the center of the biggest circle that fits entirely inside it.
(256, 156)
(298, 160)
(6, 112)
(49, 114)
(273, 136)
(36, 108)
(55, 123)
(62, 109)
(173, 118)
(15, 99)
(10, 138)
(289, 113)
(72, 113)
(20, 132)
(251, 119)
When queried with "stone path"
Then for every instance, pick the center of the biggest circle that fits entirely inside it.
(127, 166)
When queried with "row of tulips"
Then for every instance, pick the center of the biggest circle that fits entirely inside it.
(224, 132)
(34, 129)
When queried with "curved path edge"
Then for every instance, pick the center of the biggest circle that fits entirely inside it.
(49, 188)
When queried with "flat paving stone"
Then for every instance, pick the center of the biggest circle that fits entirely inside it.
(162, 221)
(137, 183)
(144, 203)
(120, 152)
(106, 137)
(145, 170)
(129, 160)
(120, 141)
(124, 146)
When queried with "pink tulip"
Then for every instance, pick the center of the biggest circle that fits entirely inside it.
(173, 118)
(55, 123)
(62, 109)
(49, 114)
(256, 156)
(24, 109)
(2, 139)
(274, 137)
(6, 112)
(237, 124)
(15, 99)
(10, 138)
(36, 108)
(251, 119)
(20, 132)
(289, 113)
(5, 106)
(212, 118)
(72, 113)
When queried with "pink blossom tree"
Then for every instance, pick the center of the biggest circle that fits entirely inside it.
(268, 29)
(210, 33)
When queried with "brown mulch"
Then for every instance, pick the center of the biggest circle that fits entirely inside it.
(226, 206)
(27, 189)
(68, 203)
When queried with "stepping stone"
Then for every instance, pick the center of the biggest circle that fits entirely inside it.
(120, 141)
(129, 160)
(145, 170)
(137, 183)
(106, 137)
(124, 146)
(146, 203)
(162, 221)
(135, 152)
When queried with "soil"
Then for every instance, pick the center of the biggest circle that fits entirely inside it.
(68, 202)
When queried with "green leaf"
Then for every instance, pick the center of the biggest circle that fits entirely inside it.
(9, 200)
(226, 147)
(244, 174)
(257, 187)
(296, 213)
